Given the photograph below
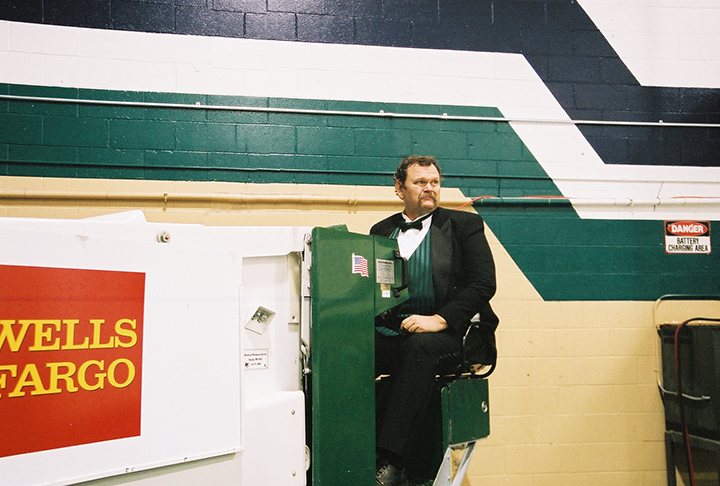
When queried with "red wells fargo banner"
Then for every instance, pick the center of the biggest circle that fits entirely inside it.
(70, 357)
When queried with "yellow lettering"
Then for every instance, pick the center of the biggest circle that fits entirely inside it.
(111, 373)
(6, 334)
(120, 331)
(66, 371)
(42, 335)
(96, 344)
(34, 380)
(82, 378)
(13, 372)
(67, 376)
(70, 336)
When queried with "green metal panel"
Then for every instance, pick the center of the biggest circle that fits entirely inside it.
(465, 411)
(342, 355)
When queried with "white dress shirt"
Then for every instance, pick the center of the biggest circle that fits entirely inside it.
(409, 240)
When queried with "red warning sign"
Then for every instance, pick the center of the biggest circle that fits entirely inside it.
(687, 237)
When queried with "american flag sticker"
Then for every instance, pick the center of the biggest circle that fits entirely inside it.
(359, 265)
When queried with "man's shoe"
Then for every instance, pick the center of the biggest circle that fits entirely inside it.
(389, 475)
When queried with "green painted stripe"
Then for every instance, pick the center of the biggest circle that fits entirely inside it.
(159, 142)
(563, 256)
(568, 258)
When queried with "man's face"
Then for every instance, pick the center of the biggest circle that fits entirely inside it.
(421, 190)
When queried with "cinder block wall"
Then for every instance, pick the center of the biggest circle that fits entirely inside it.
(574, 399)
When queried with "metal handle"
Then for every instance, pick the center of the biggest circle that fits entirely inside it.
(703, 398)
(405, 273)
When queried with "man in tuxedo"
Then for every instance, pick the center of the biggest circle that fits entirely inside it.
(452, 279)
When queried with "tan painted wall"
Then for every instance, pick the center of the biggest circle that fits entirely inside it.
(574, 399)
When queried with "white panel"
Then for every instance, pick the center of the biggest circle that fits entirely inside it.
(193, 283)
(273, 453)
(275, 428)
(267, 283)
(191, 398)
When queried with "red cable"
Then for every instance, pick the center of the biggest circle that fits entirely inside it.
(468, 203)
(682, 408)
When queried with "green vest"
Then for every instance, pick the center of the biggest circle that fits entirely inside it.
(421, 291)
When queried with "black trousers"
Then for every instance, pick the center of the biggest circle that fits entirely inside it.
(412, 361)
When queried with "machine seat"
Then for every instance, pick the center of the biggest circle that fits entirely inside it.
(479, 354)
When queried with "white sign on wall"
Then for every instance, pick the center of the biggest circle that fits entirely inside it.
(159, 382)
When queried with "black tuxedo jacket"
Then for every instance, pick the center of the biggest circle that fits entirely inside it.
(462, 265)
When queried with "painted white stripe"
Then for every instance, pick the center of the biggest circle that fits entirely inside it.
(104, 59)
(672, 43)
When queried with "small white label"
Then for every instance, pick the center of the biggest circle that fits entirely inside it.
(255, 359)
(385, 271)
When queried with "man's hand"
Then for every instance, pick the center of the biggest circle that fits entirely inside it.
(417, 323)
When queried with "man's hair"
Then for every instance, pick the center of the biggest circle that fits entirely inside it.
(424, 160)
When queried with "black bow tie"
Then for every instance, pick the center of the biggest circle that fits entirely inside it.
(406, 225)
(417, 224)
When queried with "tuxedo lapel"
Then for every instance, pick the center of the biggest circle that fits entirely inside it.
(386, 227)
